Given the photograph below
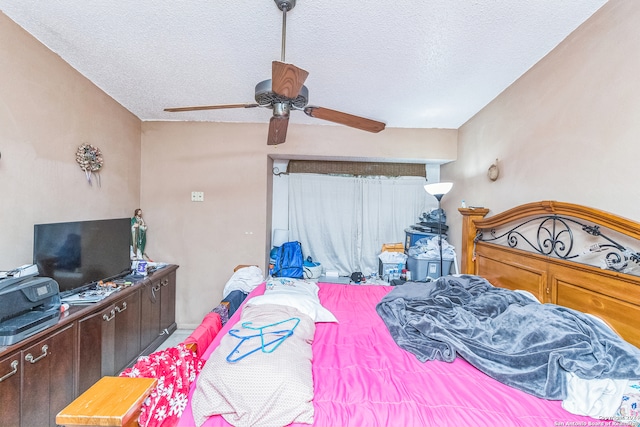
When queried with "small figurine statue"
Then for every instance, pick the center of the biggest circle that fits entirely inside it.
(138, 235)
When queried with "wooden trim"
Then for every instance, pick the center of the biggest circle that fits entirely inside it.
(238, 267)
(469, 218)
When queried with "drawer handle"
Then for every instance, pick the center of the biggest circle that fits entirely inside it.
(164, 282)
(124, 307)
(14, 370)
(29, 357)
(109, 318)
(154, 289)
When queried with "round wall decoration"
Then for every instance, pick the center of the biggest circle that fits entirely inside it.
(89, 158)
(493, 171)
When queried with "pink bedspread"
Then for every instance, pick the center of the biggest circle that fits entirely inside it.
(362, 378)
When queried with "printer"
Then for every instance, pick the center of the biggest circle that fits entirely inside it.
(28, 305)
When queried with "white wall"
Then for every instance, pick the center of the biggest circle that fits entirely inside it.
(47, 110)
(231, 163)
(568, 130)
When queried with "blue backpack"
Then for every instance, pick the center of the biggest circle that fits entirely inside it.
(288, 261)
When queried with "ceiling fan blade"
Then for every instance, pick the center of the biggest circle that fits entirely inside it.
(277, 130)
(211, 107)
(287, 79)
(344, 119)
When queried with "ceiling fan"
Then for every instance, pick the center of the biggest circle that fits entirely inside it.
(285, 92)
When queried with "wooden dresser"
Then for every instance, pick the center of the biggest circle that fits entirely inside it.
(42, 374)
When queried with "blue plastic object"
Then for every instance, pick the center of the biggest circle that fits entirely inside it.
(266, 343)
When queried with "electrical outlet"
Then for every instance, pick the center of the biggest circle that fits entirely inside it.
(197, 196)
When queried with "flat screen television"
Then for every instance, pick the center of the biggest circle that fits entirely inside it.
(79, 254)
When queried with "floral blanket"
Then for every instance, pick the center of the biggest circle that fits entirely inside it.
(175, 369)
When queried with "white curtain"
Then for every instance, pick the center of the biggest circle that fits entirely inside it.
(342, 221)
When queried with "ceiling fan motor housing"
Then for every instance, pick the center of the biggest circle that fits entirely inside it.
(266, 97)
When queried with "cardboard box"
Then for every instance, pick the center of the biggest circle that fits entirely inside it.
(392, 247)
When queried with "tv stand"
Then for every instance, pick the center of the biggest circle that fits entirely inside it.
(42, 374)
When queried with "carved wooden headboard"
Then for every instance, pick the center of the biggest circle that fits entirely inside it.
(540, 247)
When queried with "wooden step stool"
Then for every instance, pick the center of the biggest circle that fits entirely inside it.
(112, 401)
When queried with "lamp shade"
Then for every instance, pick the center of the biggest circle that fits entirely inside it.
(439, 188)
(280, 237)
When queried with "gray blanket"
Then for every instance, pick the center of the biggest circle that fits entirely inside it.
(505, 334)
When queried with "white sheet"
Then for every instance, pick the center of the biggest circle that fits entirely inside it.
(245, 279)
(595, 398)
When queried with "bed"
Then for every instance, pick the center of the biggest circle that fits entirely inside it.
(549, 264)
(362, 377)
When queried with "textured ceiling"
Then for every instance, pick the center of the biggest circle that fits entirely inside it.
(415, 64)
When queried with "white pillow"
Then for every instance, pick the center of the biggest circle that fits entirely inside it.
(300, 294)
(245, 279)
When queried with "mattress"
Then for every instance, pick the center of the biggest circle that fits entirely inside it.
(362, 378)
